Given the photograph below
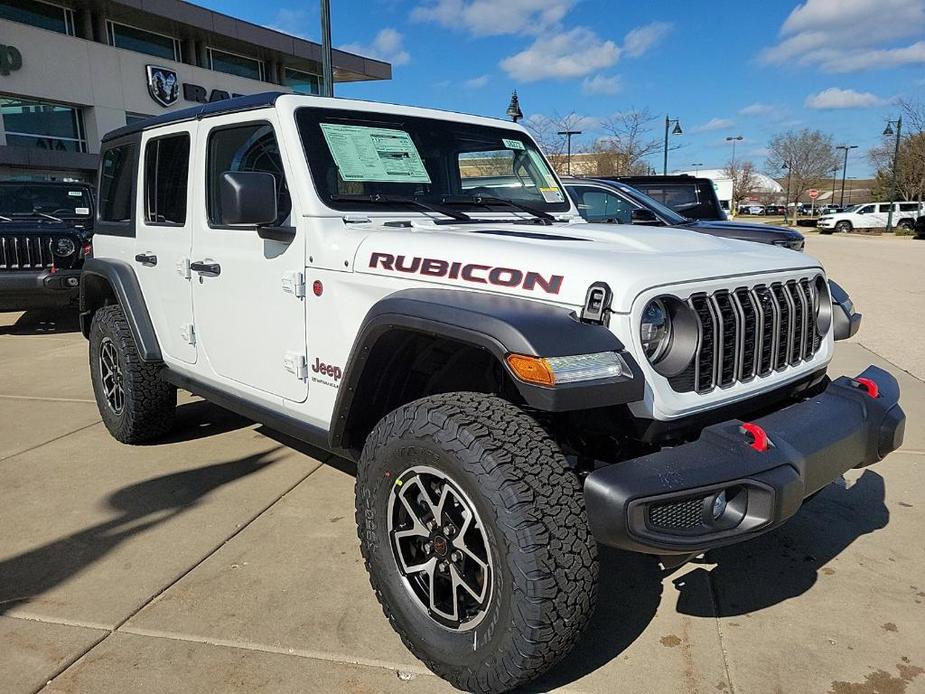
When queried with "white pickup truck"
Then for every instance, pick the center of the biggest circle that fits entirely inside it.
(514, 385)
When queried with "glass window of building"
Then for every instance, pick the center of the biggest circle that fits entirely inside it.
(43, 125)
(45, 15)
(234, 64)
(142, 41)
(302, 82)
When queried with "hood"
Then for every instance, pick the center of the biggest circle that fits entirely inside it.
(558, 263)
(742, 226)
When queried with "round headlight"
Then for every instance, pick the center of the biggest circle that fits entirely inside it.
(668, 332)
(655, 330)
(64, 246)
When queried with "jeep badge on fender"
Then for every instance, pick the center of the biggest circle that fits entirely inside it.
(514, 385)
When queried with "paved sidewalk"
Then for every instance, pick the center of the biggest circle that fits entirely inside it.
(226, 560)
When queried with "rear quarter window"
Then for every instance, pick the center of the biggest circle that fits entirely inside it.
(116, 185)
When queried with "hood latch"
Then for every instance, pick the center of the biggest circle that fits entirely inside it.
(597, 304)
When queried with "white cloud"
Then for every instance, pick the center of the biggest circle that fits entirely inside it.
(477, 82)
(492, 18)
(851, 35)
(601, 84)
(301, 23)
(388, 46)
(714, 124)
(641, 39)
(758, 109)
(567, 54)
(833, 98)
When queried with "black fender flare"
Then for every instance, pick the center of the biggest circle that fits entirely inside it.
(120, 277)
(500, 325)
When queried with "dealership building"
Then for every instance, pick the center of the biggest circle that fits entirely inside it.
(72, 70)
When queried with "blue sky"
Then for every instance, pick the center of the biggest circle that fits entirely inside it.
(723, 68)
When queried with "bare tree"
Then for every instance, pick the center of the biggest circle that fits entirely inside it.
(744, 179)
(546, 129)
(626, 142)
(805, 156)
(910, 172)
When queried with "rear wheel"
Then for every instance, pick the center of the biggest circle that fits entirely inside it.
(135, 404)
(474, 533)
(906, 224)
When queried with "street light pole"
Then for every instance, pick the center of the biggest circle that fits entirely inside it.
(889, 131)
(732, 170)
(327, 68)
(697, 167)
(844, 171)
(568, 157)
(733, 140)
(834, 179)
(787, 165)
(676, 131)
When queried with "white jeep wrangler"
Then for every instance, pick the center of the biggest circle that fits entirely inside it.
(413, 290)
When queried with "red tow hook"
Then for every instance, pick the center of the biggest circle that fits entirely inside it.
(870, 385)
(759, 436)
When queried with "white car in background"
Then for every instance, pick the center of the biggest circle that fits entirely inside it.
(872, 215)
(751, 208)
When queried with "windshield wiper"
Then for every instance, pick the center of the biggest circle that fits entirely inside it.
(488, 201)
(5, 218)
(378, 199)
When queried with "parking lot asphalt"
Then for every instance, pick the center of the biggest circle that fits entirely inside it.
(225, 559)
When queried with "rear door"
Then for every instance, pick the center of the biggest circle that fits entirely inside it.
(162, 241)
(249, 308)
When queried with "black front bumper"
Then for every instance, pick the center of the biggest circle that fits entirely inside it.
(23, 291)
(665, 503)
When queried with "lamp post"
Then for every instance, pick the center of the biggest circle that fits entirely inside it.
(850, 178)
(733, 140)
(513, 108)
(697, 167)
(327, 68)
(732, 168)
(787, 165)
(834, 178)
(844, 170)
(568, 156)
(889, 131)
(676, 131)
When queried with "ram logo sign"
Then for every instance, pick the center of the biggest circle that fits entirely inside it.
(163, 85)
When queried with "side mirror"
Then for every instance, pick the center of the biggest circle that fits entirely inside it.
(248, 197)
(643, 216)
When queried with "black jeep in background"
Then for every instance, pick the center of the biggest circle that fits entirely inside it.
(689, 196)
(45, 231)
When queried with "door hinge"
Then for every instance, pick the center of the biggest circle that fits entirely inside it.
(294, 283)
(183, 268)
(296, 364)
(188, 333)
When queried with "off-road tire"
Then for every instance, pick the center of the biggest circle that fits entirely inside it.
(905, 224)
(531, 504)
(149, 403)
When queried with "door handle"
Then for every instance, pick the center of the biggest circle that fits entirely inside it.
(146, 259)
(203, 268)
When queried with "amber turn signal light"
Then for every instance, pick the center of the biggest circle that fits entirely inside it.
(531, 369)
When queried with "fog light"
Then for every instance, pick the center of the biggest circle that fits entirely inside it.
(719, 505)
(72, 281)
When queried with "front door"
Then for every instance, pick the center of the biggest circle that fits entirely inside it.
(162, 239)
(249, 312)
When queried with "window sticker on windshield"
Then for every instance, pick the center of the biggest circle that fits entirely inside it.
(513, 144)
(552, 195)
(543, 168)
(374, 154)
(75, 193)
(81, 210)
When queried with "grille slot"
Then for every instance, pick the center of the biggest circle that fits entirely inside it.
(26, 252)
(677, 515)
(751, 332)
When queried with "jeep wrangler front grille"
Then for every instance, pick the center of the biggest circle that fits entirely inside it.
(750, 332)
(26, 252)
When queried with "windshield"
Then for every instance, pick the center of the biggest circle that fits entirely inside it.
(663, 211)
(29, 200)
(360, 159)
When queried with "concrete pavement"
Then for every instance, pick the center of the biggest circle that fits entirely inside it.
(223, 559)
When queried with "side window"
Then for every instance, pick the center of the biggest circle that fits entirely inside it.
(116, 172)
(597, 205)
(166, 175)
(908, 207)
(866, 209)
(884, 207)
(251, 147)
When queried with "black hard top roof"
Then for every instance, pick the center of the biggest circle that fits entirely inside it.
(214, 108)
(672, 178)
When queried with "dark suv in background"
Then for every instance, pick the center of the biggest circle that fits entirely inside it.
(45, 232)
(607, 200)
(689, 196)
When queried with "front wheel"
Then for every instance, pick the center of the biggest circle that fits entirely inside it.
(843, 226)
(474, 532)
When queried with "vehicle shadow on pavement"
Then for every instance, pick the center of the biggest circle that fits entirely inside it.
(629, 593)
(44, 322)
(200, 419)
(140, 507)
(786, 562)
